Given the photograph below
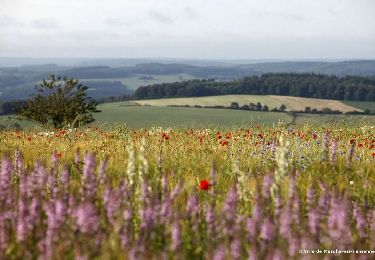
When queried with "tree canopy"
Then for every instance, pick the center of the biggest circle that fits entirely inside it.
(285, 84)
(60, 102)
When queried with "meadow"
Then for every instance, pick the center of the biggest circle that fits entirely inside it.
(252, 192)
(136, 116)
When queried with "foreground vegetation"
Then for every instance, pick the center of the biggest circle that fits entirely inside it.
(254, 192)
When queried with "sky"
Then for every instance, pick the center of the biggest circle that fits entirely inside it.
(194, 29)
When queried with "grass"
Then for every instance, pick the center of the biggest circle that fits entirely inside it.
(347, 120)
(292, 103)
(362, 105)
(147, 116)
(136, 116)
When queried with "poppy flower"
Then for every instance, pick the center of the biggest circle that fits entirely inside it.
(224, 143)
(29, 138)
(373, 155)
(204, 185)
(165, 136)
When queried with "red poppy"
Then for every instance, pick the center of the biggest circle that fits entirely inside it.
(261, 135)
(352, 141)
(314, 136)
(165, 136)
(373, 155)
(224, 143)
(204, 185)
(29, 138)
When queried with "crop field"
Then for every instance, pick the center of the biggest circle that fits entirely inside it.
(272, 101)
(254, 192)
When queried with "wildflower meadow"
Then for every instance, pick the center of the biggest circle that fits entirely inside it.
(247, 193)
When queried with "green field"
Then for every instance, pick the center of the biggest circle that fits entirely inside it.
(147, 116)
(135, 82)
(362, 105)
(344, 120)
(136, 116)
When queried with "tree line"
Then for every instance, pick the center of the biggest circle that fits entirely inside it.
(287, 84)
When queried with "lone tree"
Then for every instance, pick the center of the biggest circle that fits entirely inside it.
(60, 102)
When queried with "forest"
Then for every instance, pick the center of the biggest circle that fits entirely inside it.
(287, 84)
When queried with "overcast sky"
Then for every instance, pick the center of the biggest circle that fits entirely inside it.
(216, 29)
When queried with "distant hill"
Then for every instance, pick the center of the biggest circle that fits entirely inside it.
(19, 75)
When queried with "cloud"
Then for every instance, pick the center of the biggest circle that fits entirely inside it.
(160, 17)
(44, 24)
(190, 13)
(8, 22)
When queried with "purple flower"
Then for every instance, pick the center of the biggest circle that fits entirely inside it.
(310, 196)
(18, 163)
(257, 209)
(102, 169)
(192, 206)
(235, 249)
(22, 227)
(112, 201)
(65, 177)
(338, 222)
(89, 179)
(251, 227)
(293, 246)
(360, 221)
(313, 221)
(267, 230)
(5, 177)
(219, 253)
(86, 218)
(176, 236)
(267, 182)
(230, 204)
(210, 218)
(285, 223)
